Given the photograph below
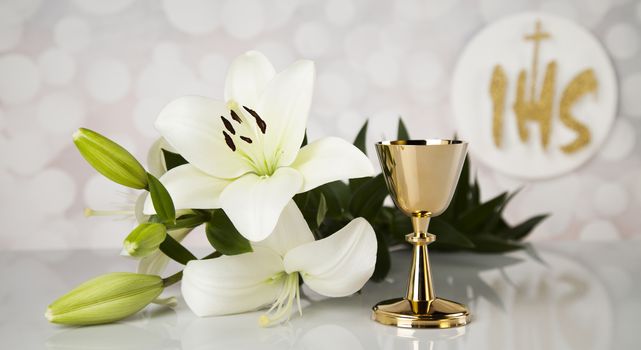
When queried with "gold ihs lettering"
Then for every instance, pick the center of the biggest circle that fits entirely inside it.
(535, 110)
(583, 83)
(528, 108)
(498, 86)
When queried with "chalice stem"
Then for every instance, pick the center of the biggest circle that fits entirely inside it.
(419, 287)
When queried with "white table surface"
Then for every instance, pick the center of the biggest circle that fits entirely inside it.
(580, 296)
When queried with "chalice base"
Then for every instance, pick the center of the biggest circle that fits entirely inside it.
(436, 313)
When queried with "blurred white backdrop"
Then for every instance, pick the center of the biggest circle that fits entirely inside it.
(112, 65)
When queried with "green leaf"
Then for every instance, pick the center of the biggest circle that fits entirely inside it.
(523, 229)
(188, 221)
(448, 234)
(162, 200)
(322, 210)
(368, 199)
(338, 195)
(360, 143)
(361, 137)
(402, 130)
(110, 159)
(493, 222)
(383, 259)
(176, 251)
(492, 244)
(308, 204)
(461, 196)
(172, 159)
(475, 198)
(224, 237)
(473, 218)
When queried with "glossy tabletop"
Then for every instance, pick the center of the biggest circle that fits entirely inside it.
(562, 295)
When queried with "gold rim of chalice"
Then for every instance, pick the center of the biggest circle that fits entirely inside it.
(417, 142)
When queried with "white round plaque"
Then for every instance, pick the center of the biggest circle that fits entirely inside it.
(535, 95)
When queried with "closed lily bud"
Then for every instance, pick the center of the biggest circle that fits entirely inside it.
(110, 159)
(144, 239)
(105, 299)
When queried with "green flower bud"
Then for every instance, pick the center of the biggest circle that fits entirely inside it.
(110, 159)
(145, 239)
(105, 299)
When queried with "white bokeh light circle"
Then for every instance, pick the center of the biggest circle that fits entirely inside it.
(193, 16)
(280, 54)
(243, 19)
(333, 90)
(340, 12)
(360, 42)
(622, 40)
(563, 9)
(599, 230)
(424, 70)
(166, 52)
(2, 120)
(10, 28)
(491, 10)
(102, 7)
(20, 79)
(60, 112)
(573, 49)
(610, 199)
(26, 152)
(621, 141)
(57, 66)
(630, 95)
(312, 39)
(168, 79)
(145, 113)
(382, 69)
(52, 191)
(23, 8)
(107, 80)
(425, 9)
(99, 193)
(213, 68)
(72, 33)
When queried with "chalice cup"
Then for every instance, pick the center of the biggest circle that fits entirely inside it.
(421, 176)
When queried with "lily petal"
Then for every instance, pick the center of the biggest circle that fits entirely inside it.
(232, 284)
(338, 265)
(290, 232)
(254, 203)
(190, 188)
(285, 107)
(156, 158)
(193, 126)
(247, 77)
(330, 159)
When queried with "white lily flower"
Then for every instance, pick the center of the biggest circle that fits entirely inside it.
(336, 266)
(244, 154)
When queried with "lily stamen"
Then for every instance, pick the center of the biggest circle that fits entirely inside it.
(281, 309)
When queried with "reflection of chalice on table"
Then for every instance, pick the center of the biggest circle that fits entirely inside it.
(421, 176)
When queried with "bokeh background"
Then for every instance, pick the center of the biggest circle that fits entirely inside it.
(112, 65)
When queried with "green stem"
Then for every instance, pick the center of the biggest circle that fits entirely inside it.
(173, 279)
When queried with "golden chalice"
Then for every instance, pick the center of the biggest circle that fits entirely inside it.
(421, 177)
